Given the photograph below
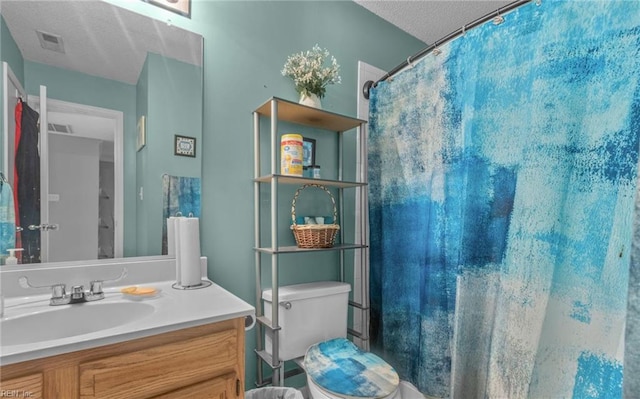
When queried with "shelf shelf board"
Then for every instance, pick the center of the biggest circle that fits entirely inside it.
(306, 180)
(267, 323)
(267, 358)
(301, 114)
(295, 249)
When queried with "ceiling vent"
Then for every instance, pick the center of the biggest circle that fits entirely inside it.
(59, 128)
(50, 41)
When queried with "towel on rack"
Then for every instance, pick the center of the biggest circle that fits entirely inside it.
(7, 219)
(180, 194)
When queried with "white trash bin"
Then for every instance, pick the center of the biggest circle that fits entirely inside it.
(273, 393)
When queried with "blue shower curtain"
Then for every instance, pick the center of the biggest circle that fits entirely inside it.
(502, 185)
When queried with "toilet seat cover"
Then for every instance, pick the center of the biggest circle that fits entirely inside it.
(343, 369)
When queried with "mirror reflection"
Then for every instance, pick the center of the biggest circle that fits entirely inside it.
(94, 96)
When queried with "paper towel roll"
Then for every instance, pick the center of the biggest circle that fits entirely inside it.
(171, 236)
(172, 243)
(187, 232)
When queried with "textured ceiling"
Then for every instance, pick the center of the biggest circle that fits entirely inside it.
(430, 20)
(113, 42)
(100, 39)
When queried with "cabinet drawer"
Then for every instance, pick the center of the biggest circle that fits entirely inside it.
(29, 386)
(158, 370)
(218, 388)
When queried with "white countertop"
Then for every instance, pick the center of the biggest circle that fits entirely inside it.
(174, 309)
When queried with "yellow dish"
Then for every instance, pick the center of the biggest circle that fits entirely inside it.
(139, 291)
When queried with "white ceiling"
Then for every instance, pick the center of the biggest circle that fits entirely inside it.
(430, 20)
(100, 39)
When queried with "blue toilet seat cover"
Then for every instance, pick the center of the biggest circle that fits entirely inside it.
(343, 369)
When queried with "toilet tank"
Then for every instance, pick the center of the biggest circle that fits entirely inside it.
(309, 313)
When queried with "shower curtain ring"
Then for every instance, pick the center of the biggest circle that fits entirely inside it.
(498, 19)
(409, 62)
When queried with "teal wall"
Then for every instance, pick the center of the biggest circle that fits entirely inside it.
(173, 106)
(245, 46)
(142, 109)
(12, 56)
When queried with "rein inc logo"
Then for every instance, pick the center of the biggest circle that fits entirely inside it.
(15, 393)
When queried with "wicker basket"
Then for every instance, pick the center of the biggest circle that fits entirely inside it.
(314, 235)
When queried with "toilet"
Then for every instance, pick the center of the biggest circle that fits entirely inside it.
(313, 326)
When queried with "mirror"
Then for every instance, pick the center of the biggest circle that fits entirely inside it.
(118, 87)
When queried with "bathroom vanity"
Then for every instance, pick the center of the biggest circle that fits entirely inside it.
(176, 344)
(199, 362)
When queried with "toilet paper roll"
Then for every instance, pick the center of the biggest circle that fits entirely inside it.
(249, 322)
(188, 251)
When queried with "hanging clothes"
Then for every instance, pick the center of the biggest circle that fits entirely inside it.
(27, 167)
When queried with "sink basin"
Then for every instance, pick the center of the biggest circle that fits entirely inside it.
(70, 320)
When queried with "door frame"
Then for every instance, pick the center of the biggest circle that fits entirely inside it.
(118, 157)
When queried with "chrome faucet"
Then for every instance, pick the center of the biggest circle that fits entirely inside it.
(59, 295)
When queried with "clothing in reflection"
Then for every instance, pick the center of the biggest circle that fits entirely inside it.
(27, 181)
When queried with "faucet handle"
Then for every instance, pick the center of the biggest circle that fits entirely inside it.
(96, 287)
(58, 291)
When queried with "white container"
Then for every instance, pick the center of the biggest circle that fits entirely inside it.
(316, 312)
(291, 154)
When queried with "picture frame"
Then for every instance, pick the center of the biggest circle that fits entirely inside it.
(141, 140)
(182, 7)
(184, 146)
(308, 151)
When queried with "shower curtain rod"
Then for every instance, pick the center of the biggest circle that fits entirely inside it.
(366, 89)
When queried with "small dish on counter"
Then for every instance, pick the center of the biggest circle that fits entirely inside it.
(139, 293)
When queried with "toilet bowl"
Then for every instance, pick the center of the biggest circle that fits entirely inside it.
(313, 325)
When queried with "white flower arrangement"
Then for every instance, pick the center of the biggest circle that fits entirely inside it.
(309, 73)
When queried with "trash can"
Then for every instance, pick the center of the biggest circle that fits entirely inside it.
(273, 393)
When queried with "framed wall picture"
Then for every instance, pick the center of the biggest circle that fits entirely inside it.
(142, 133)
(185, 146)
(308, 152)
(182, 7)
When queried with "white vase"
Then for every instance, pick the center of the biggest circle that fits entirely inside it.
(310, 100)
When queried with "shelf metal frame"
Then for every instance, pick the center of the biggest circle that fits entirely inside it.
(279, 109)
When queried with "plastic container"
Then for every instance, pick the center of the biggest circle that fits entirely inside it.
(291, 153)
(315, 171)
(11, 259)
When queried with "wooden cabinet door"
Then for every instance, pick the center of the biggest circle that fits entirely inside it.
(158, 370)
(29, 386)
(225, 387)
